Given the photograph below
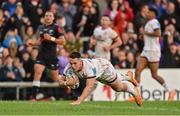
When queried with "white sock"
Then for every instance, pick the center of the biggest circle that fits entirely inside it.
(130, 88)
(36, 83)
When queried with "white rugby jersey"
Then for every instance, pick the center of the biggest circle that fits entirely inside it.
(151, 43)
(91, 68)
(104, 37)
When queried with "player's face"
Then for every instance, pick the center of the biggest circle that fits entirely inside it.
(105, 21)
(150, 15)
(49, 17)
(76, 64)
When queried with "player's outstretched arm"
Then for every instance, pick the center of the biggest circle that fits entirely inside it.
(90, 83)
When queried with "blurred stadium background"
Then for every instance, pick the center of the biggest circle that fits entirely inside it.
(19, 20)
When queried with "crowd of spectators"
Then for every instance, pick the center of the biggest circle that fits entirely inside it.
(19, 21)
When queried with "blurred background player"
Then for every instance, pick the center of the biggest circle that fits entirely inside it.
(50, 36)
(151, 53)
(105, 39)
(98, 69)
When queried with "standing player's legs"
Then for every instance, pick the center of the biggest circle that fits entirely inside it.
(154, 68)
(127, 86)
(52, 64)
(38, 68)
(141, 65)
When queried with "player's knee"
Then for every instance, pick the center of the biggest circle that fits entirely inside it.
(38, 72)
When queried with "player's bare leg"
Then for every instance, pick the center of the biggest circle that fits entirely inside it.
(154, 68)
(141, 65)
(127, 77)
(38, 68)
(126, 86)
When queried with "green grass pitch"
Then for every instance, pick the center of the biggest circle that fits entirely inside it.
(88, 108)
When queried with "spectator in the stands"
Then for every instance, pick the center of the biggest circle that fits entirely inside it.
(12, 36)
(170, 17)
(63, 60)
(28, 64)
(68, 12)
(140, 18)
(19, 20)
(9, 7)
(124, 15)
(112, 10)
(130, 60)
(160, 5)
(29, 34)
(10, 71)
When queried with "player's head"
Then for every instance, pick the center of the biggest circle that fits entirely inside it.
(105, 21)
(152, 13)
(48, 17)
(75, 61)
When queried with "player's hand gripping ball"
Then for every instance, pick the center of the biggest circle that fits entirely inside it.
(72, 79)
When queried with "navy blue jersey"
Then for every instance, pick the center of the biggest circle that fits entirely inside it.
(48, 47)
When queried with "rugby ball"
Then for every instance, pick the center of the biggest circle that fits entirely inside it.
(71, 74)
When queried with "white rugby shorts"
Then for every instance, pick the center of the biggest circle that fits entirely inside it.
(152, 56)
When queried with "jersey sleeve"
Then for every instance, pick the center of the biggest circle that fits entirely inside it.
(156, 25)
(89, 70)
(95, 32)
(113, 34)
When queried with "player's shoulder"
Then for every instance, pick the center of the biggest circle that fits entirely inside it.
(97, 28)
(55, 25)
(88, 65)
(87, 62)
(154, 21)
(58, 28)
